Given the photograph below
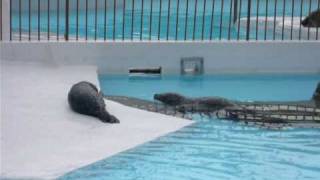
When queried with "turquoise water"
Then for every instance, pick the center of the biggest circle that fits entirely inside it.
(202, 19)
(211, 148)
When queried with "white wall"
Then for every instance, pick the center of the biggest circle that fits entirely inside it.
(219, 57)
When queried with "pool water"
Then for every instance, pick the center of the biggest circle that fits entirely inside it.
(211, 148)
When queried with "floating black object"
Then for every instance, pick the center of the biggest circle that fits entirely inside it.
(145, 70)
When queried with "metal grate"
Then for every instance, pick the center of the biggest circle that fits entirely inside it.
(192, 65)
(272, 113)
(160, 20)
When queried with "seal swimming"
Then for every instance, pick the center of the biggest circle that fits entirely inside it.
(84, 98)
(316, 95)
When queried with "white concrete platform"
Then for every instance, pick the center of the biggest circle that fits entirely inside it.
(42, 138)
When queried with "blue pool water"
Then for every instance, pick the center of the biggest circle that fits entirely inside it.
(211, 148)
(165, 22)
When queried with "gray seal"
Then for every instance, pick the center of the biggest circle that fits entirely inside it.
(203, 104)
(84, 98)
(313, 20)
(316, 95)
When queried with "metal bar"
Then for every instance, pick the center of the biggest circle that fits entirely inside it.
(257, 20)
(203, 19)
(310, 1)
(168, 19)
(221, 19)
(10, 20)
(38, 20)
(283, 17)
(29, 19)
(123, 18)
(292, 11)
(150, 25)
(266, 21)
(301, 9)
(19, 20)
(132, 19)
(77, 21)
(177, 19)
(66, 35)
(212, 19)
(114, 19)
(240, 7)
(186, 21)
(141, 19)
(235, 11)
(58, 18)
(86, 20)
(95, 19)
(274, 19)
(317, 30)
(159, 26)
(230, 20)
(105, 20)
(48, 20)
(195, 19)
(248, 20)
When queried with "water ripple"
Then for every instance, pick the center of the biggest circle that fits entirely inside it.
(215, 150)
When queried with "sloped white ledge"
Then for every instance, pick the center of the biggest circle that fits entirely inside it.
(42, 138)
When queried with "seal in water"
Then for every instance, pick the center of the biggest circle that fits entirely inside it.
(316, 95)
(85, 98)
(203, 104)
(171, 99)
(313, 20)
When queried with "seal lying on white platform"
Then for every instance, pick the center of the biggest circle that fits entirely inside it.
(85, 98)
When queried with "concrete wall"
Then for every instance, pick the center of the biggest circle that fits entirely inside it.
(219, 57)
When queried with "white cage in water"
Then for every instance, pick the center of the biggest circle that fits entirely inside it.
(192, 65)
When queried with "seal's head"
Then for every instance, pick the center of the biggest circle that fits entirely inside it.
(171, 99)
(316, 94)
(313, 20)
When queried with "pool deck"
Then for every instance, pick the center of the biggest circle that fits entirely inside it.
(41, 138)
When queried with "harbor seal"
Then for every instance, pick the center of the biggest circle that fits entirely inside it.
(312, 20)
(84, 98)
(184, 104)
(316, 95)
(171, 99)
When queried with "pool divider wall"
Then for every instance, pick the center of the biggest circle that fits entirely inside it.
(219, 57)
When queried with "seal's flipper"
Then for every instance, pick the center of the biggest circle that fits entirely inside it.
(104, 116)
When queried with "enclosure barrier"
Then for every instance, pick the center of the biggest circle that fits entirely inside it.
(174, 20)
